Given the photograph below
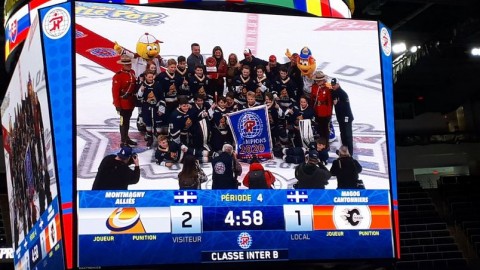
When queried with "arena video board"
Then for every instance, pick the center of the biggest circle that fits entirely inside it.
(125, 227)
(31, 169)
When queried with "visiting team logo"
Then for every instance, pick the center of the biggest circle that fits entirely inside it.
(125, 220)
(250, 125)
(352, 217)
(244, 240)
(56, 23)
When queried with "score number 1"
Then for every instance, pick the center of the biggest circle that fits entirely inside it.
(298, 217)
(246, 218)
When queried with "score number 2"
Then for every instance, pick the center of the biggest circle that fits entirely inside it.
(186, 219)
(246, 218)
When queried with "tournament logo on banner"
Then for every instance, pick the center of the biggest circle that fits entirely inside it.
(251, 132)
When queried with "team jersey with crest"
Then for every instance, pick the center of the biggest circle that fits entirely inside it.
(196, 83)
(183, 86)
(242, 86)
(173, 153)
(169, 83)
(286, 83)
(180, 123)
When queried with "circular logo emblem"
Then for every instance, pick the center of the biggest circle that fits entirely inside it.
(244, 240)
(354, 217)
(56, 23)
(219, 168)
(250, 125)
(386, 41)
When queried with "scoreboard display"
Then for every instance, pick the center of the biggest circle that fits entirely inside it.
(233, 225)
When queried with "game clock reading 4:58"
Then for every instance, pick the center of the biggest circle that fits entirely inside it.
(195, 219)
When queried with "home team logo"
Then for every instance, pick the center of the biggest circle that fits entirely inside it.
(250, 125)
(13, 30)
(125, 220)
(352, 217)
(244, 240)
(56, 23)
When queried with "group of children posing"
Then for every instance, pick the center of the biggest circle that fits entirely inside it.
(194, 106)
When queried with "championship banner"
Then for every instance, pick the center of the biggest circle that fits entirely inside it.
(251, 132)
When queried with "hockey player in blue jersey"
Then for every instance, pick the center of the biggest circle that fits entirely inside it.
(153, 106)
(180, 122)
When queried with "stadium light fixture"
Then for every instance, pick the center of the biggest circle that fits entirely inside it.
(399, 48)
(475, 51)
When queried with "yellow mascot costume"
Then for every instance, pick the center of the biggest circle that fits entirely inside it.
(148, 49)
(307, 65)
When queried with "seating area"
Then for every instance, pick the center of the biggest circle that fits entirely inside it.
(462, 204)
(425, 239)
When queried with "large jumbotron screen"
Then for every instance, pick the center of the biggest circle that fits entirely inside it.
(153, 222)
(32, 179)
(153, 217)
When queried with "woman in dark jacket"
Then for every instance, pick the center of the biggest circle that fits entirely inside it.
(346, 169)
(189, 178)
(311, 174)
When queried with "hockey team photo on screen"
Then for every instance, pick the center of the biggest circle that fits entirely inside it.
(255, 87)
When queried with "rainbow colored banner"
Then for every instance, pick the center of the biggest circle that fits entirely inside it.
(321, 8)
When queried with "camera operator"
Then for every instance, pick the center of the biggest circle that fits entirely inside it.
(311, 173)
(346, 169)
(114, 171)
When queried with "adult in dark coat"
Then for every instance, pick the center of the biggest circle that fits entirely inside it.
(252, 61)
(114, 171)
(225, 169)
(311, 173)
(346, 169)
(344, 114)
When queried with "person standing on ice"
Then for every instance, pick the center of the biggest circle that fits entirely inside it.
(343, 113)
(123, 92)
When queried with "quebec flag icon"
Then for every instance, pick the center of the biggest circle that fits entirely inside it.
(297, 196)
(185, 196)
